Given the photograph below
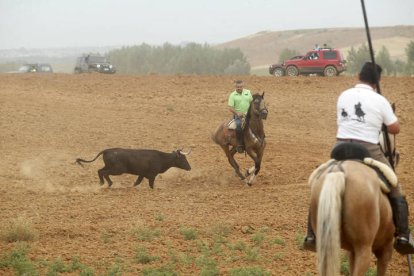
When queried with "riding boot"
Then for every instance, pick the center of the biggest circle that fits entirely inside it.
(404, 243)
(239, 136)
(240, 146)
(310, 240)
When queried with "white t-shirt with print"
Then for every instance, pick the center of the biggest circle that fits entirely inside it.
(361, 112)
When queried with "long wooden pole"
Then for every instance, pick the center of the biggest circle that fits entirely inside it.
(384, 127)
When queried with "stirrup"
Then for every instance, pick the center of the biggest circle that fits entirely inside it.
(310, 243)
(404, 245)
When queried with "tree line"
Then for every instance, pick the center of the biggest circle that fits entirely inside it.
(357, 57)
(192, 58)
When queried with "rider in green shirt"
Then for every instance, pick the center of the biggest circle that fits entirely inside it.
(239, 102)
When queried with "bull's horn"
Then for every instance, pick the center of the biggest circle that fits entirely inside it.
(184, 153)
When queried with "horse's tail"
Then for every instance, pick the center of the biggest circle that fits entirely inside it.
(78, 160)
(329, 223)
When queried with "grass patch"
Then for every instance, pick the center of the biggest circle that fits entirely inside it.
(188, 233)
(170, 108)
(106, 237)
(249, 271)
(258, 238)
(115, 270)
(19, 229)
(208, 265)
(344, 265)
(278, 240)
(299, 240)
(221, 230)
(58, 266)
(19, 262)
(159, 217)
(239, 245)
(277, 256)
(143, 257)
(145, 234)
(252, 254)
(186, 259)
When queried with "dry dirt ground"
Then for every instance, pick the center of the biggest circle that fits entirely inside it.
(47, 121)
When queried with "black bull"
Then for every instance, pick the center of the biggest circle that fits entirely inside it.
(141, 162)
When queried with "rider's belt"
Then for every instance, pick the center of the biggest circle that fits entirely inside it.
(352, 140)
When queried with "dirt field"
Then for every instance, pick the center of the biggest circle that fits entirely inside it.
(47, 121)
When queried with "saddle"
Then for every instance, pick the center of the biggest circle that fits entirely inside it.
(357, 152)
(232, 124)
(229, 128)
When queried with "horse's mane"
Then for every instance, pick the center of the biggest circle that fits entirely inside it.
(248, 116)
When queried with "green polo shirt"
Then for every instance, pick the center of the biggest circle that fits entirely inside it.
(240, 102)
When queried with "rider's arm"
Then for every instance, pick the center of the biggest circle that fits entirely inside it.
(394, 128)
(234, 112)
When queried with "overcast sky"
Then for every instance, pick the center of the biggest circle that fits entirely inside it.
(98, 23)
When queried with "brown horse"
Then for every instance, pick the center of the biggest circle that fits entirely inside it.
(253, 134)
(350, 210)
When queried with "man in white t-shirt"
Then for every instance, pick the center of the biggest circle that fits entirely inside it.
(361, 112)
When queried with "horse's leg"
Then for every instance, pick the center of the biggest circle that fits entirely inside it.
(257, 162)
(362, 260)
(351, 259)
(230, 156)
(383, 258)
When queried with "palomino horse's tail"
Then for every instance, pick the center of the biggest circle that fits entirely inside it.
(329, 223)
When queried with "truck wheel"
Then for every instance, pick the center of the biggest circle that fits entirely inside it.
(330, 71)
(278, 72)
(292, 71)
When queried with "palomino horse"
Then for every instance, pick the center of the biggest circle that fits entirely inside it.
(253, 134)
(349, 209)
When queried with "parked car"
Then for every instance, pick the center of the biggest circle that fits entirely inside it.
(325, 61)
(93, 63)
(35, 68)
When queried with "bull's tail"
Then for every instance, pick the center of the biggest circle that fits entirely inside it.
(329, 223)
(79, 160)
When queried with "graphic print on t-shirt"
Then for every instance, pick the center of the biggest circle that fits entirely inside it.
(344, 114)
(359, 113)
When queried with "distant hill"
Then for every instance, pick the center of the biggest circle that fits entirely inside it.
(264, 48)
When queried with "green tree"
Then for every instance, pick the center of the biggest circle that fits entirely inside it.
(383, 58)
(287, 54)
(410, 58)
(399, 67)
(357, 58)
